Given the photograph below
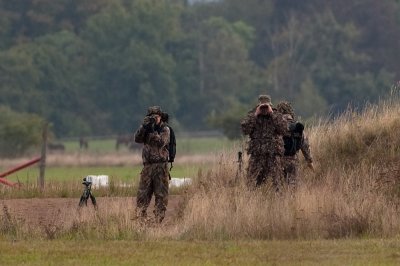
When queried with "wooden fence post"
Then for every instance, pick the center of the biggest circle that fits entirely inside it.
(42, 165)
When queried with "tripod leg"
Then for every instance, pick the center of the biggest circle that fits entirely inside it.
(93, 200)
(83, 199)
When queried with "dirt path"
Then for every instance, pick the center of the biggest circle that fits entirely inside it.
(37, 211)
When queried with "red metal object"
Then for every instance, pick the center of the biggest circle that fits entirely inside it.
(15, 169)
(8, 183)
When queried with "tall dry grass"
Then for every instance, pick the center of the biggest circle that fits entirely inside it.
(112, 221)
(354, 192)
(369, 137)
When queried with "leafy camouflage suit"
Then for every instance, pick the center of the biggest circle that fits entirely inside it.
(291, 163)
(154, 175)
(265, 146)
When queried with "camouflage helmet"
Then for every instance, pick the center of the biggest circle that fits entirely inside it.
(264, 99)
(285, 107)
(154, 110)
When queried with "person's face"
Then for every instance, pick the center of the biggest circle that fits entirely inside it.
(157, 118)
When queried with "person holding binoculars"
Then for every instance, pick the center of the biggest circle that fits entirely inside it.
(265, 129)
(154, 134)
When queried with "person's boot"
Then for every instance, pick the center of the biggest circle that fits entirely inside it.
(141, 215)
(159, 216)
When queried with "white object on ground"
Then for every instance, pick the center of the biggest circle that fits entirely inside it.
(98, 180)
(178, 182)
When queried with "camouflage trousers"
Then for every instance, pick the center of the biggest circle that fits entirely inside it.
(263, 167)
(153, 180)
(290, 167)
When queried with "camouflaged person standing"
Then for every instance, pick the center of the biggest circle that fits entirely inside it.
(265, 146)
(154, 176)
(290, 160)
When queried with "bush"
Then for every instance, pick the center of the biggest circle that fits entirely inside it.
(19, 132)
(229, 122)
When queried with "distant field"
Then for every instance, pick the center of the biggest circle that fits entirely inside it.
(99, 148)
(66, 174)
(65, 181)
(65, 170)
(185, 145)
(317, 252)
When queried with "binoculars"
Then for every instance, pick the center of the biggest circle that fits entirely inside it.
(264, 106)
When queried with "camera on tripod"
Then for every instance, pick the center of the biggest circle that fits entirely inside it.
(87, 193)
(87, 181)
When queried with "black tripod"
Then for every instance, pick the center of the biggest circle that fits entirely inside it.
(87, 193)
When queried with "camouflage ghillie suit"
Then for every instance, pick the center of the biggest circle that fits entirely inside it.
(154, 176)
(291, 163)
(265, 147)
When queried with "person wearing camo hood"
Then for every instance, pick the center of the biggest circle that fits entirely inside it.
(265, 129)
(154, 178)
(290, 160)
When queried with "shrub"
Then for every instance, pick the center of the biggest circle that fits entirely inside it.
(18, 132)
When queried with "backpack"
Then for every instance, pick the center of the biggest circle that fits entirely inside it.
(171, 146)
(294, 141)
(172, 143)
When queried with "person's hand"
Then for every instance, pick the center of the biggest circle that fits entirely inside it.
(148, 122)
(269, 109)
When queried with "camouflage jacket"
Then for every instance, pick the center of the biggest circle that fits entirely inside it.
(265, 133)
(305, 144)
(155, 149)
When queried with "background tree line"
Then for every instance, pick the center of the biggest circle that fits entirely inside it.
(92, 67)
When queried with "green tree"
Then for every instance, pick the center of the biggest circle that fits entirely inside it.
(229, 121)
(130, 66)
(218, 52)
(19, 132)
(322, 53)
(47, 77)
(18, 80)
(29, 19)
(309, 100)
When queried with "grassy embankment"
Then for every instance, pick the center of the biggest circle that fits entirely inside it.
(354, 191)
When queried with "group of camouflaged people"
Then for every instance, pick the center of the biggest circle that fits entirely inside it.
(274, 139)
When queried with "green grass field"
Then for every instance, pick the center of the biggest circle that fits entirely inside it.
(65, 181)
(317, 252)
(122, 173)
(128, 174)
(185, 145)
